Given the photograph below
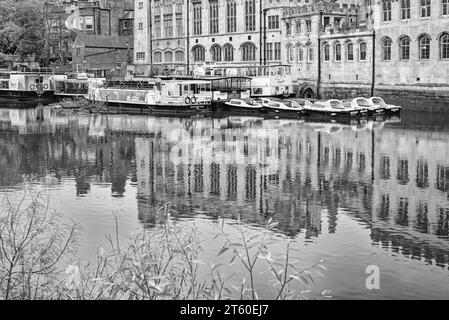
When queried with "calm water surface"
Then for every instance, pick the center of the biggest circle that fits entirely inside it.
(372, 193)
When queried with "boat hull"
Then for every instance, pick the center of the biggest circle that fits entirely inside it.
(26, 96)
(331, 114)
(281, 113)
(221, 107)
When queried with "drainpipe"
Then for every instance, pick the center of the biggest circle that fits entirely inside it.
(373, 79)
(188, 39)
(318, 85)
(260, 33)
(265, 37)
(151, 37)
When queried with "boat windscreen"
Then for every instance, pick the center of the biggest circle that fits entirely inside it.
(336, 105)
(363, 102)
(379, 101)
(251, 102)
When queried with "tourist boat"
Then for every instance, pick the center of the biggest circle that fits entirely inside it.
(281, 108)
(245, 106)
(330, 108)
(389, 108)
(73, 86)
(27, 85)
(365, 106)
(167, 97)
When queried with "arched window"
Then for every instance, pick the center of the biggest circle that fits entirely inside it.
(157, 58)
(291, 53)
(198, 53)
(300, 51)
(309, 50)
(386, 49)
(424, 47)
(350, 51)
(362, 51)
(337, 51)
(168, 56)
(326, 50)
(386, 10)
(288, 27)
(179, 56)
(405, 9)
(215, 52)
(248, 51)
(444, 46)
(228, 52)
(404, 48)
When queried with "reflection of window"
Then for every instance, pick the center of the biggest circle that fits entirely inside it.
(422, 174)
(402, 175)
(402, 217)
(443, 222)
(384, 209)
(385, 168)
(442, 178)
(422, 221)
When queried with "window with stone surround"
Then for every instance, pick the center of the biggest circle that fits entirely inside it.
(228, 50)
(386, 10)
(197, 27)
(198, 53)
(168, 56)
(231, 19)
(157, 57)
(157, 26)
(309, 50)
(404, 48)
(179, 56)
(213, 16)
(298, 26)
(326, 51)
(168, 25)
(405, 9)
(300, 51)
(350, 51)
(250, 15)
(288, 27)
(273, 22)
(386, 49)
(444, 7)
(140, 55)
(277, 51)
(362, 51)
(215, 52)
(291, 53)
(140, 25)
(269, 51)
(248, 51)
(308, 26)
(444, 46)
(425, 8)
(424, 47)
(179, 25)
(337, 50)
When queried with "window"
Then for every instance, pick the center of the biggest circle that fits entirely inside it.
(88, 23)
(444, 46)
(197, 19)
(424, 47)
(405, 9)
(291, 53)
(140, 55)
(445, 7)
(168, 56)
(231, 20)
(215, 52)
(140, 25)
(425, 8)
(157, 26)
(350, 51)
(309, 53)
(404, 48)
(326, 50)
(248, 52)
(277, 51)
(362, 47)
(179, 26)
(298, 26)
(213, 17)
(337, 51)
(141, 5)
(228, 52)
(386, 49)
(308, 26)
(250, 15)
(300, 53)
(386, 10)
(179, 56)
(273, 22)
(198, 53)
(157, 58)
(269, 51)
(288, 27)
(168, 25)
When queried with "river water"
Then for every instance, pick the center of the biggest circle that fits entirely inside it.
(361, 194)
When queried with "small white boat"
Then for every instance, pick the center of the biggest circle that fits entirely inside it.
(281, 108)
(389, 108)
(365, 106)
(330, 108)
(243, 104)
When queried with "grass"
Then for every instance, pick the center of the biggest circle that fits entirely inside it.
(38, 260)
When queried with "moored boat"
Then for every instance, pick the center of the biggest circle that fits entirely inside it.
(365, 107)
(389, 108)
(281, 108)
(330, 108)
(242, 106)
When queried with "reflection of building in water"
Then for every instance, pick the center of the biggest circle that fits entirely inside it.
(411, 189)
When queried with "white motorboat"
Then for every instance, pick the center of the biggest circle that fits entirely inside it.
(389, 108)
